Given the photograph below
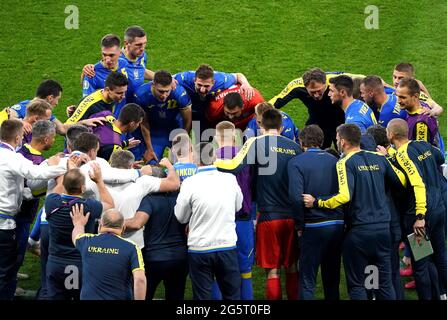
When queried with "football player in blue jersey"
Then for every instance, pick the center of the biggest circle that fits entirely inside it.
(356, 111)
(110, 52)
(288, 129)
(406, 70)
(50, 91)
(372, 92)
(133, 52)
(204, 83)
(166, 110)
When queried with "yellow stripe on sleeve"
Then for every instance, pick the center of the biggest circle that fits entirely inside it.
(140, 259)
(232, 164)
(415, 178)
(85, 104)
(84, 235)
(343, 195)
(297, 83)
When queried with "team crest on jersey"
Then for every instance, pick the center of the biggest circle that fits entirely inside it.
(86, 85)
(136, 74)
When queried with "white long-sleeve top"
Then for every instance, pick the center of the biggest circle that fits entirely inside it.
(109, 175)
(14, 169)
(127, 198)
(209, 201)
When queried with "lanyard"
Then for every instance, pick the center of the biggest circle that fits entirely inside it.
(5, 146)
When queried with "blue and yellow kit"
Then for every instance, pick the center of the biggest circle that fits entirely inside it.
(162, 116)
(269, 155)
(222, 81)
(91, 104)
(135, 74)
(390, 110)
(97, 82)
(107, 265)
(420, 162)
(185, 170)
(20, 109)
(288, 129)
(362, 177)
(360, 114)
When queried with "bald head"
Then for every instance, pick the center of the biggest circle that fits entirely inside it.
(112, 219)
(398, 128)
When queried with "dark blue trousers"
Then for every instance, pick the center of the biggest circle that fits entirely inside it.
(173, 273)
(220, 265)
(395, 270)
(42, 294)
(321, 246)
(368, 248)
(427, 285)
(57, 275)
(8, 264)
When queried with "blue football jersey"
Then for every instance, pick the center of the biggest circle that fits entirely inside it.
(20, 108)
(97, 82)
(185, 170)
(288, 129)
(391, 110)
(135, 74)
(162, 115)
(360, 114)
(222, 81)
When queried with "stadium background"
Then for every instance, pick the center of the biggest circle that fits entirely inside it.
(271, 42)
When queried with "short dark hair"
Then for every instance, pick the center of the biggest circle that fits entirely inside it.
(271, 119)
(343, 83)
(233, 100)
(204, 72)
(73, 133)
(116, 79)
(10, 129)
(131, 112)
(110, 40)
(73, 181)
(351, 133)
(162, 77)
(314, 74)
(133, 32)
(405, 67)
(311, 136)
(48, 88)
(379, 134)
(204, 154)
(411, 84)
(86, 142)
(373, 82)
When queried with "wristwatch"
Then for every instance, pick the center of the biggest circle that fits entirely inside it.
(420, 216)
